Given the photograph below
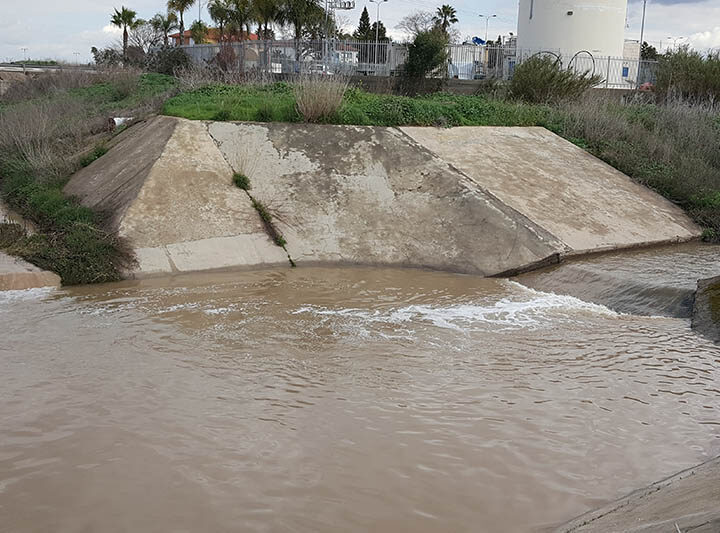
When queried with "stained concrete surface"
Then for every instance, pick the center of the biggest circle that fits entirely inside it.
(365, 195)
(687, 502)
(584, 202)
(706, 309)
(16, 274)
(485, 201)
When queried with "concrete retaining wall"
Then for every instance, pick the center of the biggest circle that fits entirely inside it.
(706, 311)
(484, 201)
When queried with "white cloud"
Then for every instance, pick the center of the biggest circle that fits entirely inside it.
(707, 39)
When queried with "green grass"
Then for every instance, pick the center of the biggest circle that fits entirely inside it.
(276, 103)
(70, 240)
(109, 96)
(271, 103)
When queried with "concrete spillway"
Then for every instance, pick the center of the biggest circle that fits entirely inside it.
(484, 201)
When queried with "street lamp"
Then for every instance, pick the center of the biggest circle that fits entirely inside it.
(674, 41)
(77, 57)
(24, 49)
(487, 22)
(377, 27)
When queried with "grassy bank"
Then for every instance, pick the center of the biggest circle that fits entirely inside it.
(276, 103)
(49, 127)
(669, 147)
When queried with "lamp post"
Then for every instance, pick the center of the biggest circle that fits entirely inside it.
(377, 27)
(642, 37)
(487, 22)
(77, 57)
(24, 49)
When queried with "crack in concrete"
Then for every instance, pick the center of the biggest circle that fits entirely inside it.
(270, 229)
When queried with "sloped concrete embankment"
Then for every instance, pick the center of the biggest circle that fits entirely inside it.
(687, 501)
(420, 197)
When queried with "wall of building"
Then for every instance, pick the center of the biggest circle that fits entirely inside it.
(570, 26)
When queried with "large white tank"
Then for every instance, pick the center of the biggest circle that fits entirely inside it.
(570, 26)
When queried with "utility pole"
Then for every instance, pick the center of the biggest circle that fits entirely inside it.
(377, 28)
(24, 49)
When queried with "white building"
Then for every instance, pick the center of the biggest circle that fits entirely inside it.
(571, 26)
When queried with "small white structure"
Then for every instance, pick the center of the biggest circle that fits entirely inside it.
(572, 26)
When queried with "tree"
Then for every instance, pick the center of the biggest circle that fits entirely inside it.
(302, 15)
(164, 24)
(144, 36)
(426, 54)
(220, 13)
(648, 52)
(266, 12)
(416, 22)
(444, 17)
(125, 19)
(199, 31)
(239, 16)
(364, 31)
(180, 6)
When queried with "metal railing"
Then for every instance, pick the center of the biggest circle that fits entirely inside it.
(368, 58)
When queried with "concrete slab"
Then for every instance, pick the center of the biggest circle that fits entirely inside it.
(226, 252)
(16, 274)
(188, 195)
(111, 183)
(366, 195)
(688, 501)
(585, 203)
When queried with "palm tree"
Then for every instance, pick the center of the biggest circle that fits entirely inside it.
(125, 18)
(220, 13)
(164, 24)
(444, 17)
(180, 6)
(267, 12)
(239, 16)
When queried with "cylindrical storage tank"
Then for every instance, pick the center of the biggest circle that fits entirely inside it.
(571, 26)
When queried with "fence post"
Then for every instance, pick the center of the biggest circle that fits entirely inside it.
(607, 78)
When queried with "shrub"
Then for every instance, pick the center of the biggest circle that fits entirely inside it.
(167, 60)
(542, 79)
(70, 239)
(242, 181)
(47, 84)
(685, 73)
(318, 97)
(427, 54)
(45, 133)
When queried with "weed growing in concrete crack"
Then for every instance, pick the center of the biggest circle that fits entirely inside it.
(280, 241)
(262, 211)
(242, 181)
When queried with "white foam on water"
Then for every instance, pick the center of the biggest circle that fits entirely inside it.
(523, 308)
(37, 293)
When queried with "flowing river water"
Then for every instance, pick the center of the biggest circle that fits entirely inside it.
(353, 399)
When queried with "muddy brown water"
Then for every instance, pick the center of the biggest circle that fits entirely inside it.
(329, 400)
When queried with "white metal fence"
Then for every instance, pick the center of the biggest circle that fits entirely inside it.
(467, 62)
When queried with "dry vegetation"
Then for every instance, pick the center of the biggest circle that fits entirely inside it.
(51, 125)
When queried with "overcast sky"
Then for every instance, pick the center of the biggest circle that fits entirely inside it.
(57, 30)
